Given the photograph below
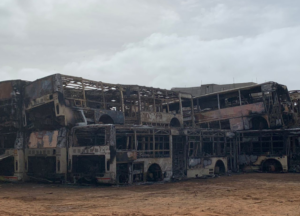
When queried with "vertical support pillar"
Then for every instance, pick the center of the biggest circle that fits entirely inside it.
(154, 104)
(153, 149)
(235, 154)
(103, 98)
(167, 102)
(135, 141)
(218, 101)
(180, 104)
(198, 106)
(139, 107)
(83, 93)
(192, 112)
(240, 98)
(122, 100)
(271, 143)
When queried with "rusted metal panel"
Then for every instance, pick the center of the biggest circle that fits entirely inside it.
(230, 112)
(236, 124)
(161, 118)
(43, 139)
(48, 139)
(6, 90)
(11, 97)
(39, 88)
(268, 87)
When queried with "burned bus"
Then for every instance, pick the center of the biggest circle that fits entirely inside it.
(262, 106)
(92, 154)
(209, 152)
(11, 130)
(61, 100)
(46, 155)
(265, 150)
(120, 154)
(295, 98)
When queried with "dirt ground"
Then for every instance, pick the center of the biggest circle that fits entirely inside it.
(243, 194)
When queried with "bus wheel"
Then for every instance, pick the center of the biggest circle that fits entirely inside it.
(219, 167)
(154, 173)
(272, 166)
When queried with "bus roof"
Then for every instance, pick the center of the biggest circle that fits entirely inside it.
(244, 88)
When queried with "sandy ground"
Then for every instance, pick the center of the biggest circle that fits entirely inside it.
(244, 194)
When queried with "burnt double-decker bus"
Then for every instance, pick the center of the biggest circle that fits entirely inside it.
(262, 106)
(61, 100)
(11, 130)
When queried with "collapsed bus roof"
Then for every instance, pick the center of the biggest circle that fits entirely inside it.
(79, 83)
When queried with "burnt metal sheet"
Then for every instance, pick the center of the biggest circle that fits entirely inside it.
(43, 139)
(6, 90)
(268, 87)
(236, 124)
(230, 112)
(39, 88)
(159, 117)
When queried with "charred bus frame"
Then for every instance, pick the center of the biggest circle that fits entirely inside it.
(295, 97)
(11, 130)
(120, 154)
(60, 100)
(209, 152)
(267, 105)
(46, 155)
(265, 150)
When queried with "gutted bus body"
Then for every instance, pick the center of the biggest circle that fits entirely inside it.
(11, 136)
(262, 106)
(11, 97)
(120, 154)
(265, 150)
(153, 106)
(209, 153)
(92, 154)
(60, 100)
(12, 165)
(46, 155)
(150, 150)
(294, 149)
(295, 98)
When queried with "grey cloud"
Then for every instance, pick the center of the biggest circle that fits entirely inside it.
(158, 43)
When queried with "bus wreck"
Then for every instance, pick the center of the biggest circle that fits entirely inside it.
(264, 151)
(119, 154)
(209, 153)
(46, 155)
(263, 106)
(60, 100)
(11, 130)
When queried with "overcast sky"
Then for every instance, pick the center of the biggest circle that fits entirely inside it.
(161, 43)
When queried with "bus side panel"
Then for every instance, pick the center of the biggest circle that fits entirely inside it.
(231, 112)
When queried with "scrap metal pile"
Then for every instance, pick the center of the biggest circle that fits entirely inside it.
(69, 129)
